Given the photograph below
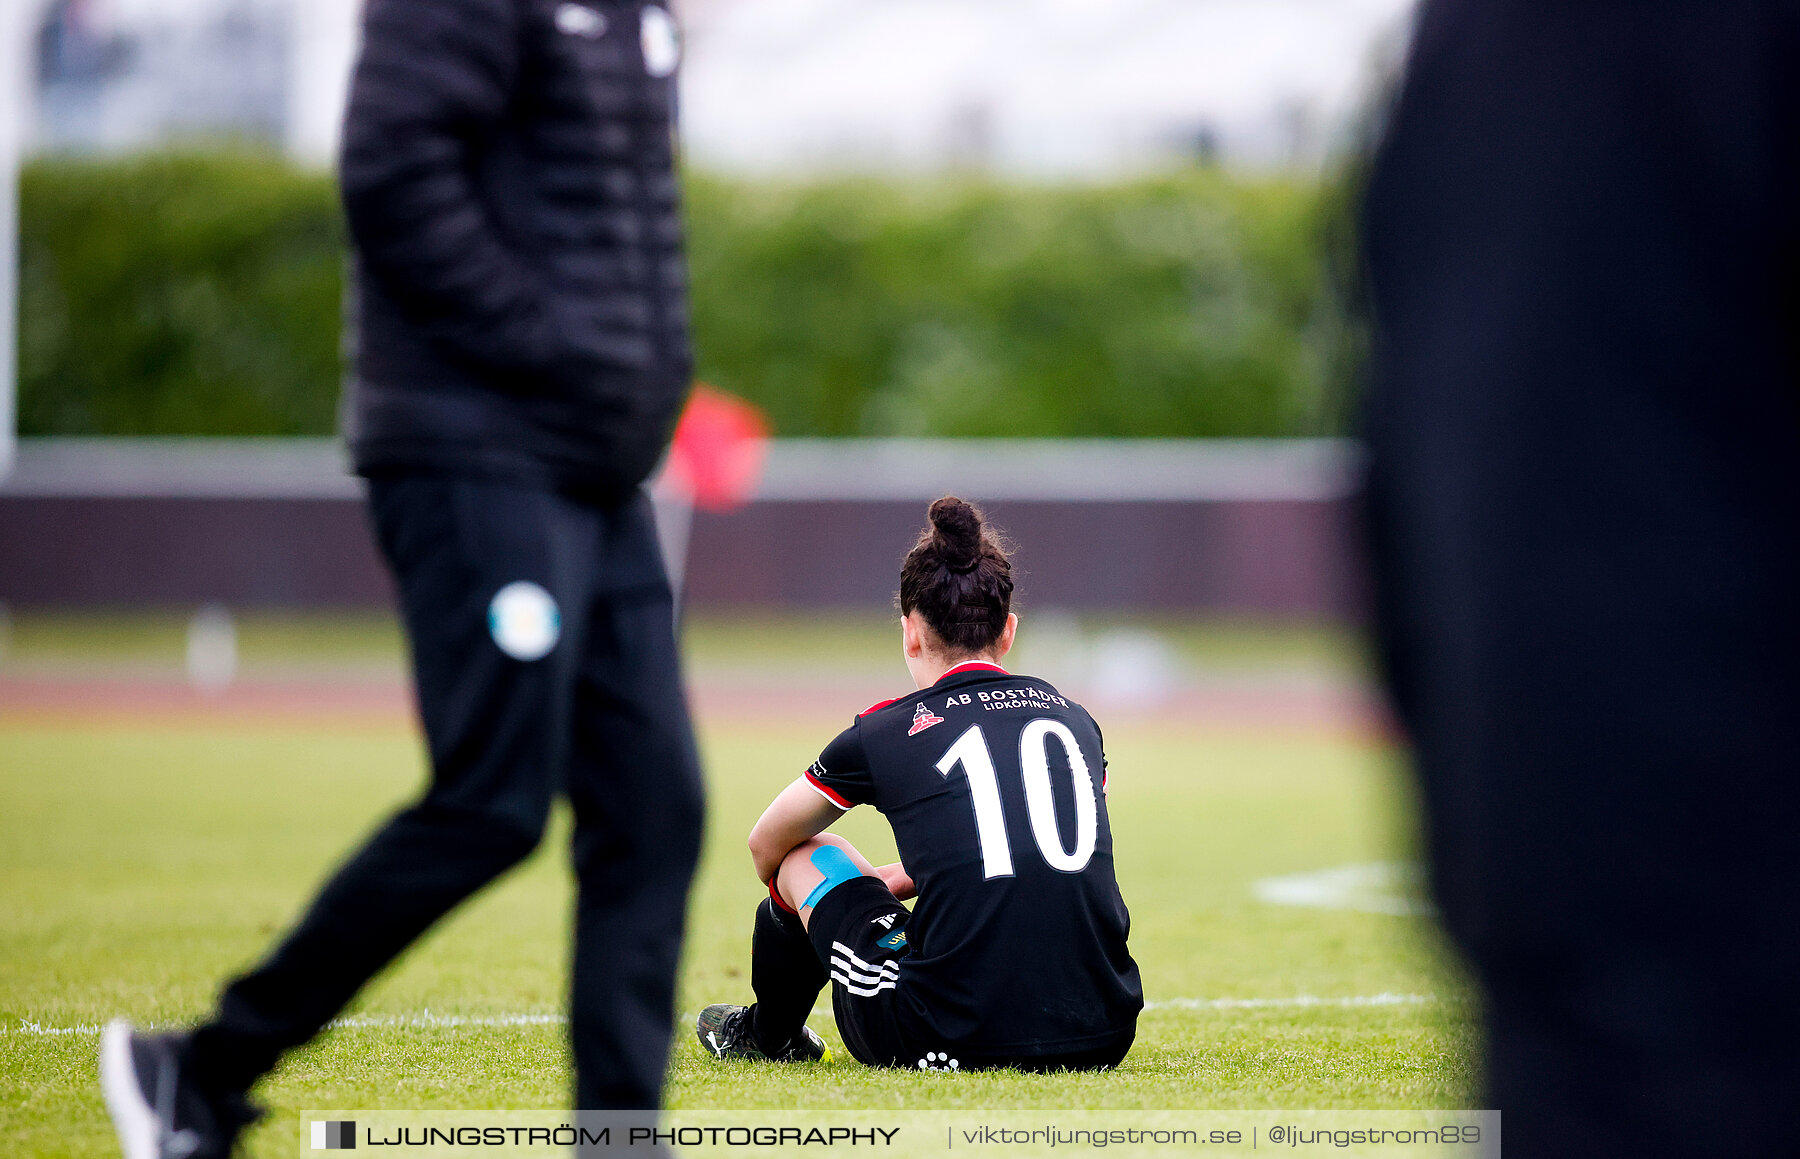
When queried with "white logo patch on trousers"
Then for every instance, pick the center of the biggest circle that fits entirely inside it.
(524, 621)
(660, 40)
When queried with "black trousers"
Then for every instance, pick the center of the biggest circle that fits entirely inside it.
(1584, 504)
(600, 719)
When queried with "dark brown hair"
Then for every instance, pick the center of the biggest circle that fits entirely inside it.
(959, 577)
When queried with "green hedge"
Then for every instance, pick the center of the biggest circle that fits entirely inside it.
(200, 295)
(178, 295)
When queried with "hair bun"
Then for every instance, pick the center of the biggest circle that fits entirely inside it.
(957, 528)
(958, 577)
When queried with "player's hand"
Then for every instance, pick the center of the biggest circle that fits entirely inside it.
(899, 884)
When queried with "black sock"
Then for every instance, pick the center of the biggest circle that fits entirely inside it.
(786, 974)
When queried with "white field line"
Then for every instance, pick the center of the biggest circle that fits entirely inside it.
(1297, 1001)
(426, 1020)
(1394, 888)
(423, 1020)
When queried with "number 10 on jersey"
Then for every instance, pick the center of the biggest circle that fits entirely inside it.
(971, 752)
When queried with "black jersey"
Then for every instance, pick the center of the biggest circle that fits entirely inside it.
(995, 787)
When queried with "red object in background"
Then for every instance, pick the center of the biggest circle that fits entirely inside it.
(719, 447)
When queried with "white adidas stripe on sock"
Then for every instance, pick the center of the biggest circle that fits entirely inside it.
(856, 975)
(872, 967)
(858, 990)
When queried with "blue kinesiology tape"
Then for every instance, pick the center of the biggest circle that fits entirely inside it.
(837, 867)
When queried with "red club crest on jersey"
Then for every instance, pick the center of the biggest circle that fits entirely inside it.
(922, 720)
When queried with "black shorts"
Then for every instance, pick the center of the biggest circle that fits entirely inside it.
(859, 932)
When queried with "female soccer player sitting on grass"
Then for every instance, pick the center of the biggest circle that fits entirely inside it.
(995, 784)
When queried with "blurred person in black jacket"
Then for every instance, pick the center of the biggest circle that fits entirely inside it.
(1580, 235)
(522, 352)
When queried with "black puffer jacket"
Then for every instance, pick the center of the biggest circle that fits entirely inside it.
(508, 175)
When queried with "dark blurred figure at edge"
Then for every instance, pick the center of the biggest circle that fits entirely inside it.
(522, 352)
(1584, 510)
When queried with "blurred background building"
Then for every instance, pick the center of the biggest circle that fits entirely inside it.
(1087, 88)
(121, 75)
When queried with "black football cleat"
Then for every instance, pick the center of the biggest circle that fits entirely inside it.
(725, 1031)
(156, 1111)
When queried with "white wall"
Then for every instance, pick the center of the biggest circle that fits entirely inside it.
(1054, 87)
(323, 49)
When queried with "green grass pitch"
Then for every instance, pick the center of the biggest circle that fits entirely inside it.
(141, 863)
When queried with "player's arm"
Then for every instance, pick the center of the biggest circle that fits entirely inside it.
(799, 812)
(836, 783)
